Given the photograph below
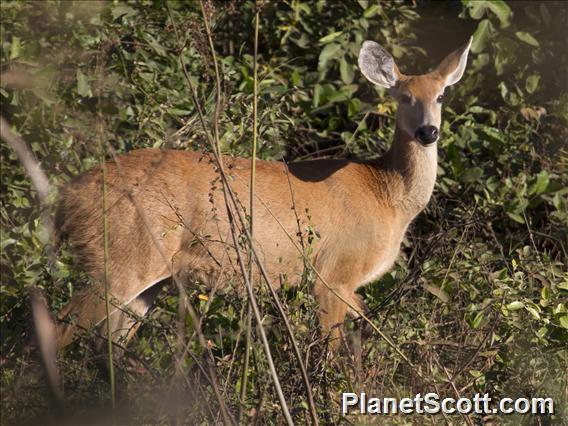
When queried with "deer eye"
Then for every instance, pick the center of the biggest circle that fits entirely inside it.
(405, 98)
(440, 98)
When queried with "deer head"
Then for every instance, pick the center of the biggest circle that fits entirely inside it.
(420, 96)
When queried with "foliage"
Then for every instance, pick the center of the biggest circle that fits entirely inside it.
(481, 285)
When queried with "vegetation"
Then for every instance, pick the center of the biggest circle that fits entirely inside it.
(477, 300)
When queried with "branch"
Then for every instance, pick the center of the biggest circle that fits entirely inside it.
(47, 341)
(28, 160)
(43, 321)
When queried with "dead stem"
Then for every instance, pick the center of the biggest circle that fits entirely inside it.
(43, 322)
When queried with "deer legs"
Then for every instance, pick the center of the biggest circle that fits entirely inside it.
(87, 309)
(126, 320)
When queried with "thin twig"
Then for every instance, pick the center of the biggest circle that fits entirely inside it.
(106, 278)
(248, 335)
(217, 111)
(465, 416)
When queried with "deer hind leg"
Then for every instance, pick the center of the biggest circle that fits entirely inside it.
(87, 310)
(126, 320)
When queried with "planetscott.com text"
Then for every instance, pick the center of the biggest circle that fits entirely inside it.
(431, 403)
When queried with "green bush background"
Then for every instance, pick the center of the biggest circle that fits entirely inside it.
(481, 285)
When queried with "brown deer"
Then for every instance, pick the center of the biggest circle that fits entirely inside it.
(360, 210)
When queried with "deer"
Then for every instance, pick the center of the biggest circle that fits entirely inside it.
(361, 211)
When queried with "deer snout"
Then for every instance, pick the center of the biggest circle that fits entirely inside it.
(427, 134)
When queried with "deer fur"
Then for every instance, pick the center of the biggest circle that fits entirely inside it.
(360, 210)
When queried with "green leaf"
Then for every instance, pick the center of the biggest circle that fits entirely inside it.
(372, 11)
(545, 293)
(296, 78)
(330, 51)
(179, 111)
(346, 137)
(330, 37)
(481, 60)
(515, 306)
(533, 312)
(516, 217)
(15, 48)
(158, 48)
(346, 71)
(532, 82)
(542, 181)
(438, 292)
(481, 37)
(318, 91)
(472, 174)
(303, 41)
(477, 8)
(501, 10)
(527, 38)
(563, 321)
(337, 95)
(7, 242)
(353, 107)
(476, 320)
(503, 89)
(83, 87)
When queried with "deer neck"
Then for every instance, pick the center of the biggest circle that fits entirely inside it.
(412, 168)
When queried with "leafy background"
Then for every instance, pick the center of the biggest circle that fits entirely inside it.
(480, 288)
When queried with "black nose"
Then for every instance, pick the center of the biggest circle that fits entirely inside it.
(427, 134)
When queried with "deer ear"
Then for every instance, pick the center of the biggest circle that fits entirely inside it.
(452, 67)
(377, 65)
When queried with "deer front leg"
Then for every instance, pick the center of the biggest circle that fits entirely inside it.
(332, 313)
(332, 310)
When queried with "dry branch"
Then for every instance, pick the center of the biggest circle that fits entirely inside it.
(28, 160)
(47, 341)
(43, 322)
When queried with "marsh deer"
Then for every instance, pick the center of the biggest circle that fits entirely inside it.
(360, 210)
